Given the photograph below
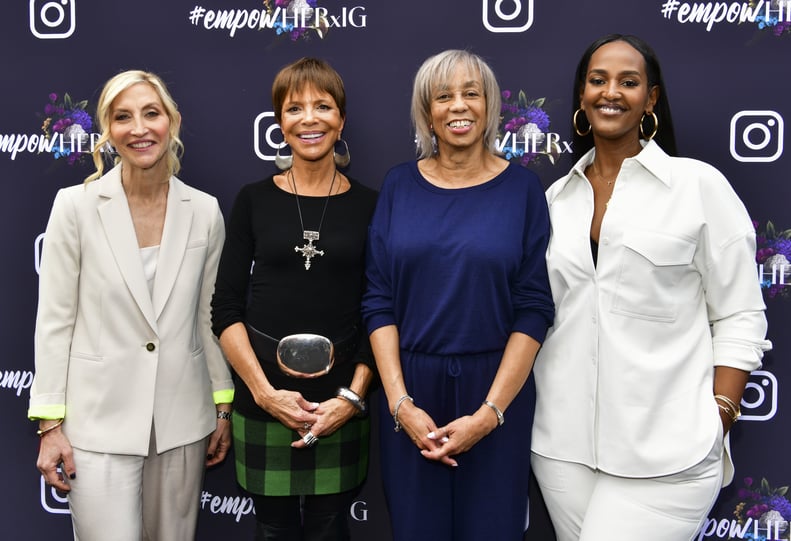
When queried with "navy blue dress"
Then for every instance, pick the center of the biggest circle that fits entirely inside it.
(457, 271)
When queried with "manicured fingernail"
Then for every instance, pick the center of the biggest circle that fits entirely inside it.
(445, 439)
(72, 476)
(431, 435)
(210, 456)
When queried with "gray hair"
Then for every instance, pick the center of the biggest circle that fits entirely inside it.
(437, 71)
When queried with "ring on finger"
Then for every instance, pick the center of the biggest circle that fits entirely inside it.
(309, 439)
(306, 426)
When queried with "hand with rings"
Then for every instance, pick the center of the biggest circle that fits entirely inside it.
(309, 439)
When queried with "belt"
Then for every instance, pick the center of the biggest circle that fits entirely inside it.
(265, 346)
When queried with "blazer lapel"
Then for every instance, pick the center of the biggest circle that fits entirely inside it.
(175, 235)
(117, 222)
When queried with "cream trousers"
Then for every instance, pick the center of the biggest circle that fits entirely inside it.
(589, 505)
(129, 498)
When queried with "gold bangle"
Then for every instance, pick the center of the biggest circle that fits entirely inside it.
(40, 432)
(735, 411)
(729, 412)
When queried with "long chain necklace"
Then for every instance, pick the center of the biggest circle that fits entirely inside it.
(309, 251)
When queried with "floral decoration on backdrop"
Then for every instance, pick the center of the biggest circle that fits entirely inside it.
(773, 251)
(68, 123)
(524, 129)
(303, 10)
(772, 24)
(762, 510)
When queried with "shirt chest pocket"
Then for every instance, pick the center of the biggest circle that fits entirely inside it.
(653, 268)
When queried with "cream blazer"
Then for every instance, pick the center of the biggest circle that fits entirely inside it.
(117, 357)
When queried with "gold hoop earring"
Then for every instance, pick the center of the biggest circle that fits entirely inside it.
(656, 126)
(576, 128)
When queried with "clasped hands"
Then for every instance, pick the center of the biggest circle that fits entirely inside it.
(320, 419)
(444, 443)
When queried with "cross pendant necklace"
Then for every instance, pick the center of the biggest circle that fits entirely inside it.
(309, 250)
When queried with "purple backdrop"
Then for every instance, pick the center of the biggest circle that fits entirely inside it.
(726, 69)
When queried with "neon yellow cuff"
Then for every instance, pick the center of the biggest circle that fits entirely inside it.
(46, 412)
(223, 397)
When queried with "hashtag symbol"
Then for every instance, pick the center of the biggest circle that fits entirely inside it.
(205, 497)
(196, 14)
(669, 7)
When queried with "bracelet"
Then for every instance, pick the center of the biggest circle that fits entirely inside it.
(729, 406)
(40, 432)
(500, 416)
(226, 415)
(728, 401)
(400, 401)
(353, 398)
(728, 412)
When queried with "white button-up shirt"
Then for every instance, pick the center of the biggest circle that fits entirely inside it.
(625, 376)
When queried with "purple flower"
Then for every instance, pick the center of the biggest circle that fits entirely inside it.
(538, 117)
(62, 124)
(763, 254)
(50, 109)
(782, 246)
(53, 97)
(506, 94)
(757, 510)
(781, 505)
(82, 118)
(514, 124)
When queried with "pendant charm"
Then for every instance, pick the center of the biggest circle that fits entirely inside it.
(309, 251)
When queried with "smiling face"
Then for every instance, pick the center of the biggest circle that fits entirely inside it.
(458, 111)
(616, 92)
(140, 128)
(311, 123)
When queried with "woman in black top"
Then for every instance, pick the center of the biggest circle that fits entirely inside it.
(301, 443)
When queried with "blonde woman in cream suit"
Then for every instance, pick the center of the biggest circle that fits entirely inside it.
(131, 389)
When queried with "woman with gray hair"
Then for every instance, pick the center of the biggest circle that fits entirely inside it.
(458, 303)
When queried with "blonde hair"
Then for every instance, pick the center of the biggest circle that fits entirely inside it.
(437, 71)
(112, 89)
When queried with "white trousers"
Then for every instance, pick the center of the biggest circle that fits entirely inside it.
(129, 498)
(588, 505)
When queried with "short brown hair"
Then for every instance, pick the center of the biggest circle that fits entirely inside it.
(303, 73)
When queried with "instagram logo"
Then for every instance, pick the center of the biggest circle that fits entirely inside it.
(265, 146)
(759, 402)
(502, 16)
(756, 136)
(53, 501)
(52, 19)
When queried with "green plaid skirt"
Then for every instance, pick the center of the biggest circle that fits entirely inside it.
(266, 464)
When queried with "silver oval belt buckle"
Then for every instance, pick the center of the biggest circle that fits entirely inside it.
(305, 355)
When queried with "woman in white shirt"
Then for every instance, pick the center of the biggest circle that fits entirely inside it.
(659, 316)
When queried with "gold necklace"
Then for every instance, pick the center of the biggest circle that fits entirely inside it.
(601, 177)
